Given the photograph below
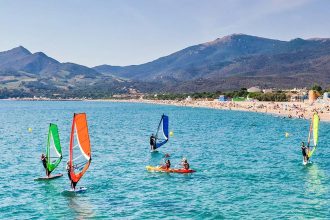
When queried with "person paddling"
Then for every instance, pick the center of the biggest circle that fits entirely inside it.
(167, 165)
(185, 164)
(304, 151)
(152, 142)
(44, 163)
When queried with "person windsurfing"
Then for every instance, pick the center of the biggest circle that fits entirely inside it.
(304, 151)
(68, 168)
(44, 163)
(152, 142)
(185, 164)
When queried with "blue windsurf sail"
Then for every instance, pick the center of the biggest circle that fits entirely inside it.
(162, 132)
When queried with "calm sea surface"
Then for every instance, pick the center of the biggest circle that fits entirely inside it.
(246, 167)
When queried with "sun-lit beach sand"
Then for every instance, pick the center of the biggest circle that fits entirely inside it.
(302, 110)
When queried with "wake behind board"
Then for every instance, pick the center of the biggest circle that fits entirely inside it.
(306, 163)
(49, 177)
(71, 192)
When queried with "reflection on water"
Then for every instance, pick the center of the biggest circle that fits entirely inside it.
(315, 180)
(315, 187)
(80, 206)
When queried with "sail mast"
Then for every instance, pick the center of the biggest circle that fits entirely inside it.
(310, 132)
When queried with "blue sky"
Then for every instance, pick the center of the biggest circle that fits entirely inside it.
(124, 32)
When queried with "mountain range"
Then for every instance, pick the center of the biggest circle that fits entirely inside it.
(227, 63)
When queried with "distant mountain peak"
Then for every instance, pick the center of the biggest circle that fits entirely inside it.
(232, 38)
(41, 54)
(22, 50)
(18, 50)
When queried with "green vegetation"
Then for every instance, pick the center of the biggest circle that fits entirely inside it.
(182, 96)
(240, 95)
(8, 93)
(270, 97)
(317, 87)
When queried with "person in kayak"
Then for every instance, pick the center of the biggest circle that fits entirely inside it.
(185, 164)
(167, 165)
(305, 151)
(152, 142)
(44, 163)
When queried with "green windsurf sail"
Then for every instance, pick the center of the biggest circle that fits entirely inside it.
(53, 150)
(314, 130)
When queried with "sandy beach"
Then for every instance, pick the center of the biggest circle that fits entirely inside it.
(303, 110)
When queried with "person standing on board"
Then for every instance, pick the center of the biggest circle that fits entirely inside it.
(152, 142)
(68, 168)
(44, 163)
(305, 151)
(185, 164)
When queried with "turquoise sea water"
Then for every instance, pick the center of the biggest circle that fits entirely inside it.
(246, 168)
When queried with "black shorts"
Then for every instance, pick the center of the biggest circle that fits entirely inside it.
(304, 153)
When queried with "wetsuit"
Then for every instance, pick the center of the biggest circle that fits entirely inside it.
(152, 142)
(44, 163)
(73, 184)
(304, 151)
(68, 169)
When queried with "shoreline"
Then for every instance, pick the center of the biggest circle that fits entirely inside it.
(300, 110)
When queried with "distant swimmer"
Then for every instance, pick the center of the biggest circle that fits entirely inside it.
(44, 163)
(305, 151)
(167, 165)
(185, 164)
(152, 142)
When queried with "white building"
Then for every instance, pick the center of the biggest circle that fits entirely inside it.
(267, 90)
(254, 89)
(188, 99)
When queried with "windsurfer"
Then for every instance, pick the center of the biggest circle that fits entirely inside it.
(68, 168)
(44, 163)
(305, 151)
(152, 142)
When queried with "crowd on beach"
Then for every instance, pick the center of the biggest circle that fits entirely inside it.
(303, 110)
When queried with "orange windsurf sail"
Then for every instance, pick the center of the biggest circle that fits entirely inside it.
(80, 147)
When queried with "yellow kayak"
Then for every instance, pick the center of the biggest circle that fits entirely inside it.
(160, 169)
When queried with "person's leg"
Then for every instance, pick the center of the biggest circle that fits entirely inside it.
(74, 185)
